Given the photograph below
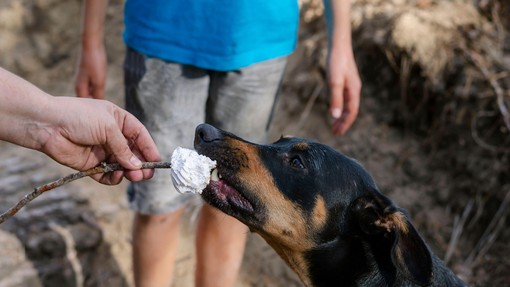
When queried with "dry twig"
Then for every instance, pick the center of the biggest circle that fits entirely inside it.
(476, 137)
(457, 230)
(103, 168)
(492, 78)
(308, 108)
(493, 81)
(490, 234)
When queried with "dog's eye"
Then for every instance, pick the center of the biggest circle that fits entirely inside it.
(295, 162)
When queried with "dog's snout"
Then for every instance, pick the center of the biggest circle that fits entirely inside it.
(207, 133)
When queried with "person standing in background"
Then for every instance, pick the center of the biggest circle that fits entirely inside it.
(214, 61)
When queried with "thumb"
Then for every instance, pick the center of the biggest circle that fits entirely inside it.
(123, 154)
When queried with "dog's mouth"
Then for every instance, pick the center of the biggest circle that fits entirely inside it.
(223, 193)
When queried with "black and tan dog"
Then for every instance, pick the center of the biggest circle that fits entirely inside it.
(321, 212)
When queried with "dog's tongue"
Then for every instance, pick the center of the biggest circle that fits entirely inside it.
(191, 172)
(229, 195)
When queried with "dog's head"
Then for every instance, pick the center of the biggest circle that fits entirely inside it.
(300, 195)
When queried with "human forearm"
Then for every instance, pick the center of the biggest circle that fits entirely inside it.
(91, 71)
(79, 133)
(339, 23)
(93, 18)
(25, 112)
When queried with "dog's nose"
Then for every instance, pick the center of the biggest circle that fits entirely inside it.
(207, 133)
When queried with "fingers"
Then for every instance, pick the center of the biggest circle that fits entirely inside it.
(341, 125)
(141, 146)
(350, 101)
(89, 89)
(145, 146)
(90, 79)
(116, 177)
(98, 91)
(118, 145)
(146, 173)
(111, 178)
(336, 109)
(138, 175)
(82, 88)
(337, 100)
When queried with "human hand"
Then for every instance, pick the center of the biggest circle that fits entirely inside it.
(90, 78)
(91, 131)
(343, 77)
(345, 87)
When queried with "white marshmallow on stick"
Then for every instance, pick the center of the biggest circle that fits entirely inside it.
(191, 172)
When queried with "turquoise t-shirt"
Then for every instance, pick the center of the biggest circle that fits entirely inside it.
(219, 35)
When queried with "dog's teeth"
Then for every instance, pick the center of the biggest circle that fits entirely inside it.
(214, 175)
(220, 176)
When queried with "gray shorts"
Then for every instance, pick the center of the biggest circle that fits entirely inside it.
(172, 99)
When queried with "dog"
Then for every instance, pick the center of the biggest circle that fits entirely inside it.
(320, 211)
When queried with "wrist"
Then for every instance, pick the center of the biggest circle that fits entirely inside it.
(28, 116)
(338, 22)
(341, 44)
(92, 33)
(43, 123)
(91, 42)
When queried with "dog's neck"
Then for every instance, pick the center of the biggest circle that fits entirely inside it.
(346, 262)
(339, 261)
(296, 260)
(356, 262)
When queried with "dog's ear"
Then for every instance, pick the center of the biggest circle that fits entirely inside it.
(375, 216)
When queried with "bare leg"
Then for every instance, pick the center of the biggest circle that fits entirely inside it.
(220, 247)
(155, 239)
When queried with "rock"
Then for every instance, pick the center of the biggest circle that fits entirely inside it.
(15, 269)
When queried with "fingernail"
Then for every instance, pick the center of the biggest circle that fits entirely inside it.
(336, 113)
(135, 161)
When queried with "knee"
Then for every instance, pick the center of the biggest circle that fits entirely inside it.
(214, 216)
(212, 213)
(157, 219)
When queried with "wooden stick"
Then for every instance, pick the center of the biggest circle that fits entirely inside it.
(500, 93)
(103, 168)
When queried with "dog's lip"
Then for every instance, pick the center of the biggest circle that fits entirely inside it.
(225, 193)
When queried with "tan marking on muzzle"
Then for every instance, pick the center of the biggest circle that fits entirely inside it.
(286, 228)
(286, 223)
